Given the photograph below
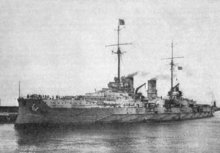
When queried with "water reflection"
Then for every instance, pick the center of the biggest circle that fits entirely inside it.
(111, 137)
(187, 136)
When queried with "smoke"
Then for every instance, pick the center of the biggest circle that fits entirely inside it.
(144, 73)
(161, 77)
(140, 73)
(132, 74)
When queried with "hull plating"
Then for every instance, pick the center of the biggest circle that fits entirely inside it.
(37, 112)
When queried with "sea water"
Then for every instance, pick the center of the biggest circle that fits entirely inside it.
(201, 135)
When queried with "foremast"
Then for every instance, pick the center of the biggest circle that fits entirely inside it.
(120, 23)
(119, 52)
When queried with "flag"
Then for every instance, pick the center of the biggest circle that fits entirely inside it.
(121, 22)
(180, 68)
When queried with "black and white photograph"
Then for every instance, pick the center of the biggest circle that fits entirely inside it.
(110, 76)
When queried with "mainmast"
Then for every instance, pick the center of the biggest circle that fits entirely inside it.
(121, 22)
(171, 69)
(171, 64)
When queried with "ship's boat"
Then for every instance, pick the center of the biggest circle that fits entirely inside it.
(119, 103)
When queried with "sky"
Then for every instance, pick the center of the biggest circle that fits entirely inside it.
(57, 47)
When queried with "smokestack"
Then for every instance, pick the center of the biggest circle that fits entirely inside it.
(152, 91)
(131, 83)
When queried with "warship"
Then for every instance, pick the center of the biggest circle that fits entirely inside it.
(120, 102)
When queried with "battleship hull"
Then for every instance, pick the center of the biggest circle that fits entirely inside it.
(36, 111)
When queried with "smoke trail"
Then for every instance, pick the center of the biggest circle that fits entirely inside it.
(162, 77)
(144, 73)
(140, 73)
(132, 74)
